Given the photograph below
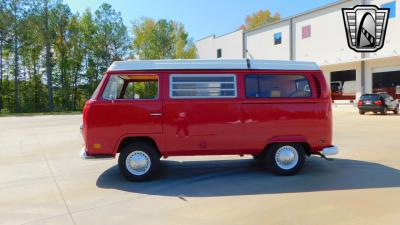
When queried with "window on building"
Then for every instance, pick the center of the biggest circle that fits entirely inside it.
(306, 31)
(203, 86)
(131, 87)
(219, 53)
(278, 38)
(277, 86)
(392, 7)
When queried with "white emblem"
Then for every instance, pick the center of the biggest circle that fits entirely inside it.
(365, 27)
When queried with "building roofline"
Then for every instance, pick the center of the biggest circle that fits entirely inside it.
(299, 15)
(229, 33)
(213, 36)
(220, 35)
(284, 19)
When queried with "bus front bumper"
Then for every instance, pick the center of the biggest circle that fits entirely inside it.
(84, 155)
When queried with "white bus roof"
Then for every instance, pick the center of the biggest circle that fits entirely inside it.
(218, 64)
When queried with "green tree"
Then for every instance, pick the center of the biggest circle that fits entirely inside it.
(52, 59)
(161, 40)
(18, 13)
(88, 31)
(61, 15)
(31, 49)
(5, 20)
(184, 47)
(260, 18)
(76, 51)
(111, 36)
(47, 40)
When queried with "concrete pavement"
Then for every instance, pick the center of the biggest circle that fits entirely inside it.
(43, 181)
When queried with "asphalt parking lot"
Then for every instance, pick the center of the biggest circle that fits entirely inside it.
(43, 181)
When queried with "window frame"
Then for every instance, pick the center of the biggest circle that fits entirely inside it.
(235, 85)
(286, 97)
(125, 85)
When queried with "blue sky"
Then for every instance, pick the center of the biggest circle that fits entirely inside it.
(200, 17)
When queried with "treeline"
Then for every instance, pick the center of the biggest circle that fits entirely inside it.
(52, 59)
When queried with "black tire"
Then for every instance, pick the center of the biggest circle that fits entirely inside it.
(259, 157)
(384, 110)
(361, 112)
(275, 166)
(145, 152)
(396, 110)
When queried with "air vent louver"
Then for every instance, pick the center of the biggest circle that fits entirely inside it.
(317, 85)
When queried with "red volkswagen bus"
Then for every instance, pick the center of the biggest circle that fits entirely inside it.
(277, 111)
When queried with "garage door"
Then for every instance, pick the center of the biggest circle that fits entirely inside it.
(344, 75)
(388, 82)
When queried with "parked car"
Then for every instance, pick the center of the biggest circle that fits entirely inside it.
(279, 111)
(378, 102)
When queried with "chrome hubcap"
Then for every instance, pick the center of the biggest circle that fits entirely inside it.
(286, 157)
(138, 163)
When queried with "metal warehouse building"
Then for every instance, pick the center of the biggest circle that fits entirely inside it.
(319, 35)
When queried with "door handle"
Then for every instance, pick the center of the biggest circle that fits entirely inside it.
(155, 114)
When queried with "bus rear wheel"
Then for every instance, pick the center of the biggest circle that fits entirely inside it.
(285, 158)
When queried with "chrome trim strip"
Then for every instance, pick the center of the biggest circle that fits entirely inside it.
(155, 114)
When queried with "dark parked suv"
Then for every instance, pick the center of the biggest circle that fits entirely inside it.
(379, 102)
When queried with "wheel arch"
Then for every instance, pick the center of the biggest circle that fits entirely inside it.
(134, 139)
(290, 140)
